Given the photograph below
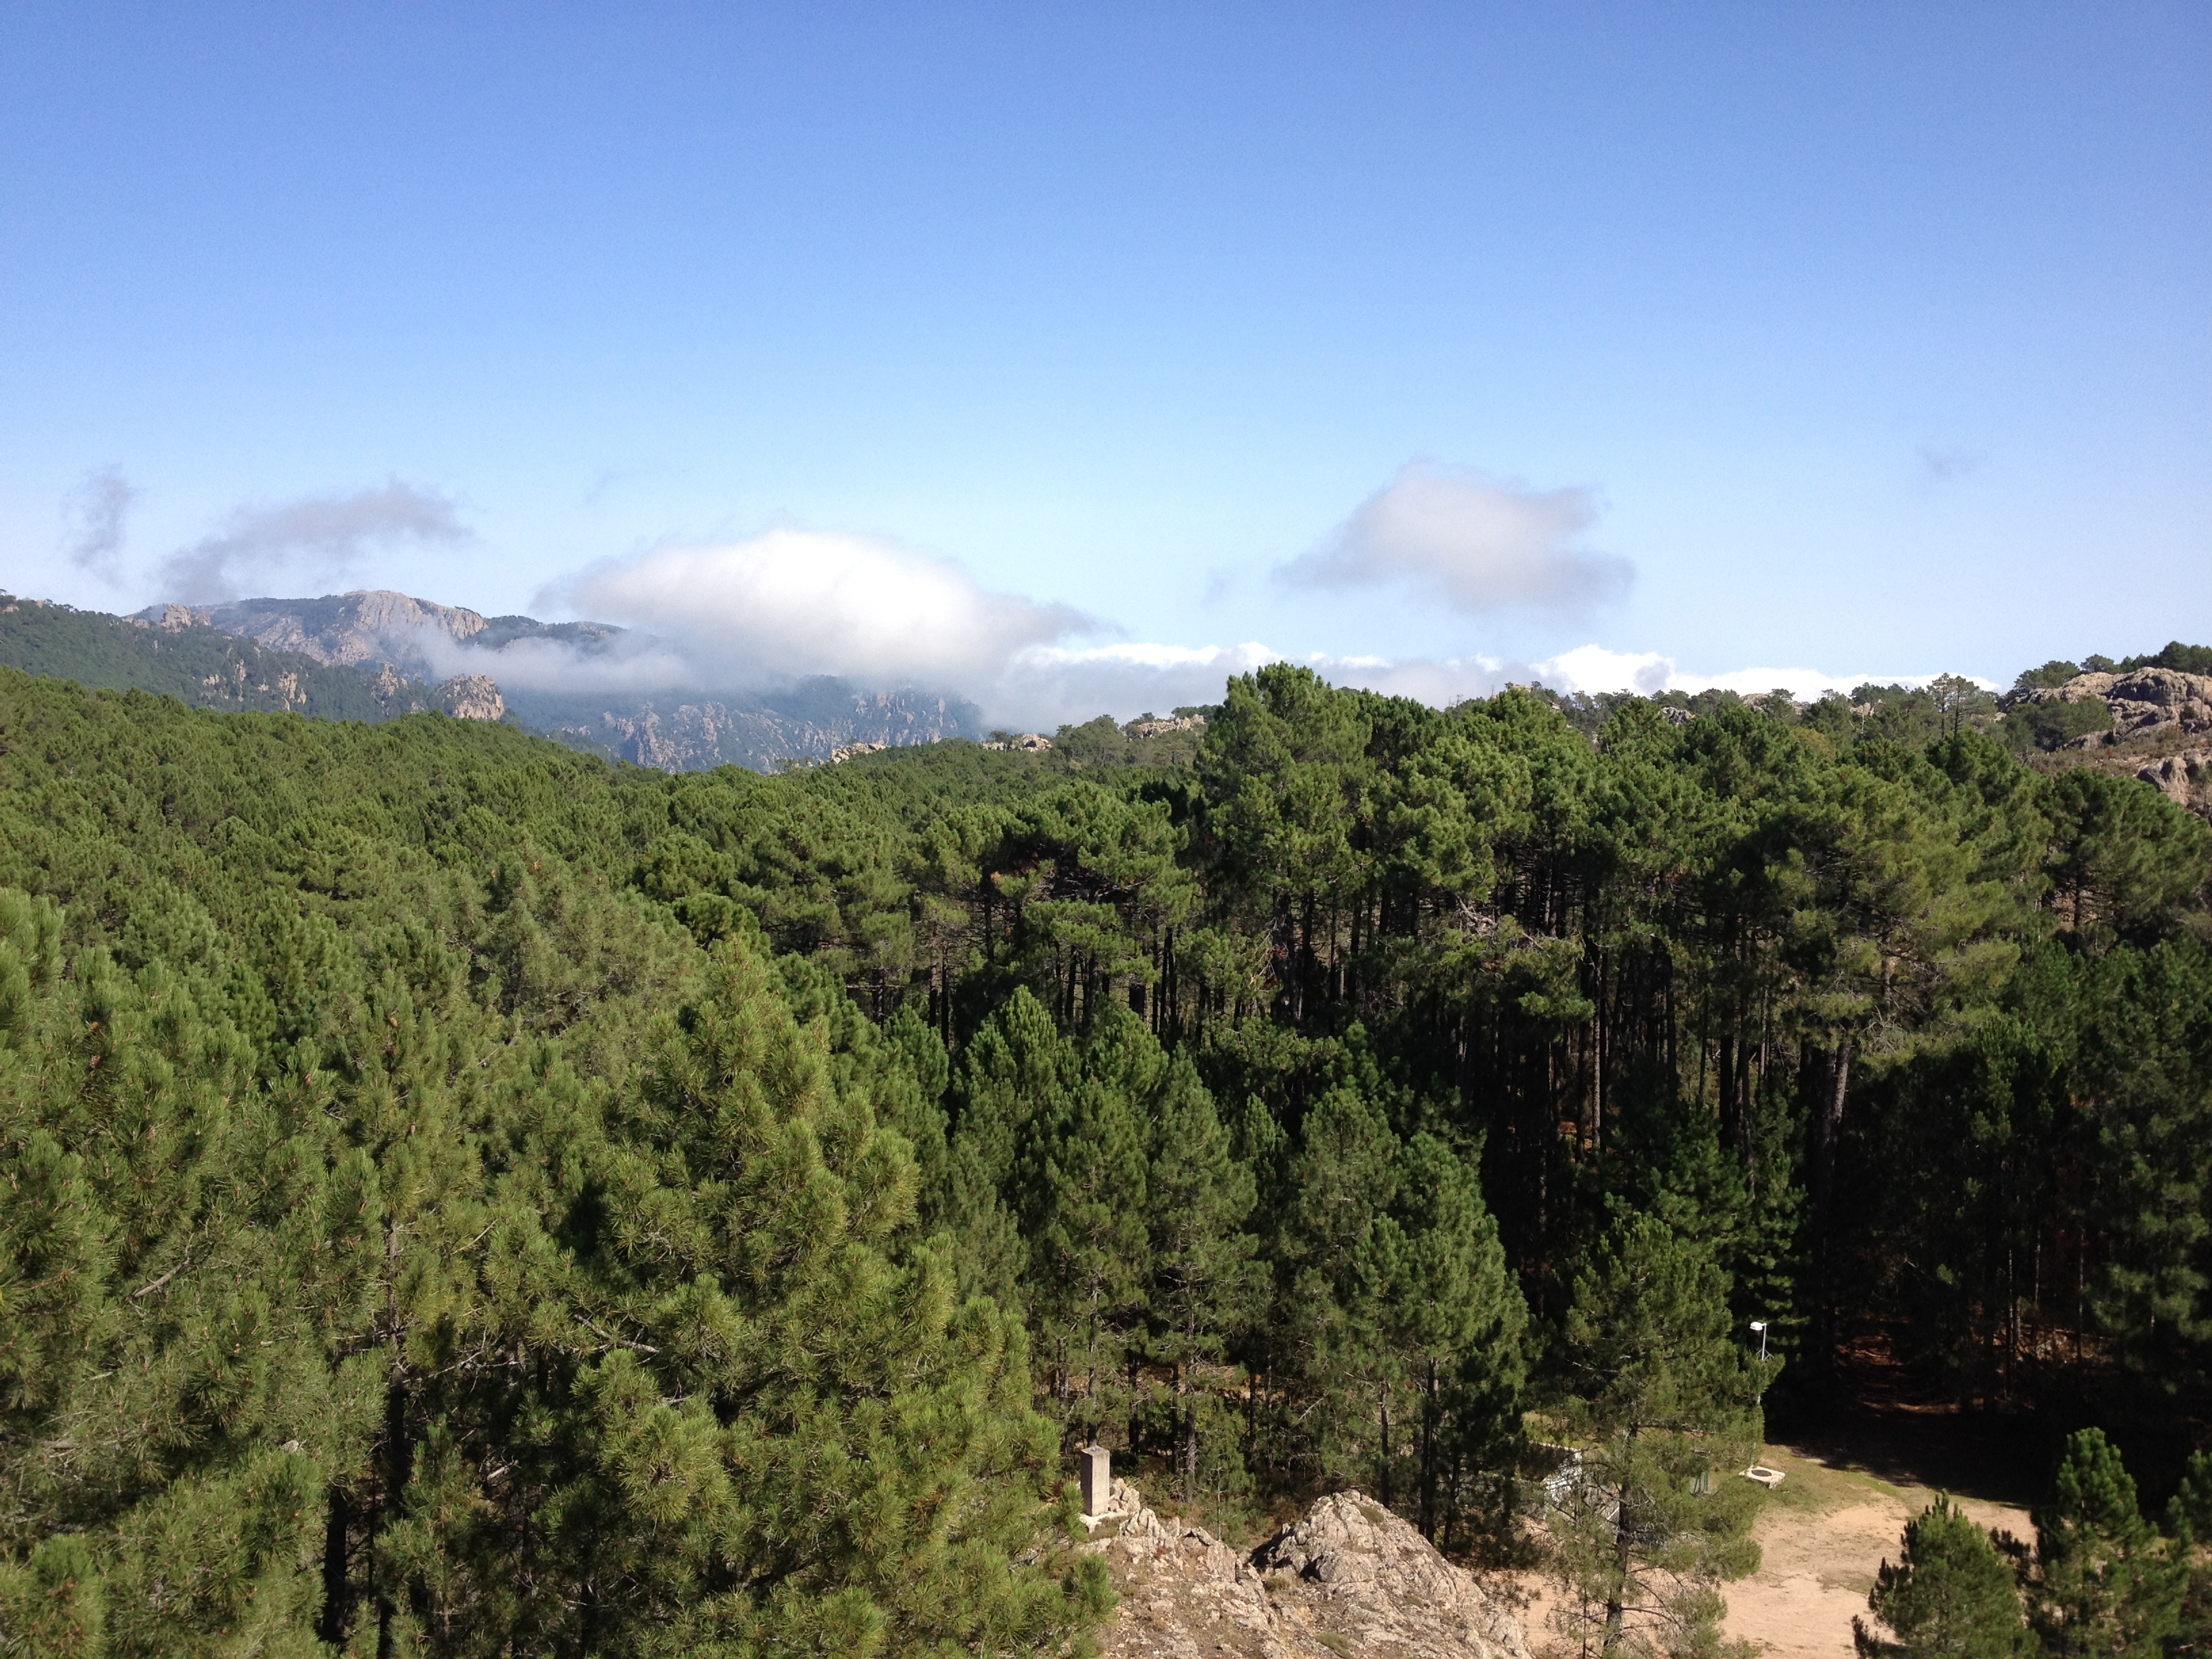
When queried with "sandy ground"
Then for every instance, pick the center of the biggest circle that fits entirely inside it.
(1822, 1535)
(1822, 1542)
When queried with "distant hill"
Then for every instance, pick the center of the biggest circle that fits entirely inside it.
(692, 731)
(373, 626)
(198, 665)
(377, 633)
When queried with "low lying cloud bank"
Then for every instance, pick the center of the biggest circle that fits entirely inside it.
(626, 663)
(1593, 668)
(765, 612)
(792, 604)
(1047, 687)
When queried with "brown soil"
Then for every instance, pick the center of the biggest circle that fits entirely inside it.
(1822, 1535)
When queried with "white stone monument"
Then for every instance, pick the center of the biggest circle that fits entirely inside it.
(1098, 1479)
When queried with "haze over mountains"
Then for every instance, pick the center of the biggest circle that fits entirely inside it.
(591, 683)
(379, 654)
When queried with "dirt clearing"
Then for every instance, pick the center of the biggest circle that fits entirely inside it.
(1822, 1536)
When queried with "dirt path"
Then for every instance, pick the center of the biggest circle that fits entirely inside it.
(1822, 1535)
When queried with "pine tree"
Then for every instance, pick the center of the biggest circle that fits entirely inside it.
(2104, 1585)
(1017, 1074)
(2191, 1525)
(1664, 1411)
(1088, 1247)
(1951, 1596)
(1206, 1283)
(53, 1606)
(1341, 1373)
(1453, 1318)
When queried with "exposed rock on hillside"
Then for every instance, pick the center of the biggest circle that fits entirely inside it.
(176, 655)
(471, 697)
(397, 695)
(2161, 717)
(350, 629)
(2184, 779)
(1350, 1579)
(2141, 701)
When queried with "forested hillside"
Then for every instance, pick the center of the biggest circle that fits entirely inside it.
(197, 665)
(469, 1198)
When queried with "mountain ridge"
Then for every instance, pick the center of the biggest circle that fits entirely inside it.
(402, 646)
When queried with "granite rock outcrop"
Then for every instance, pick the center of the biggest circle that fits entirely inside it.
(2142, 702)
(1350, 1579)
(352, 630)
(471, 697)
(2184, 779)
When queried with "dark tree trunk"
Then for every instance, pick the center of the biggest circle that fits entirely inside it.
(1827, 1131)
(1384, 1481)
(397, 1461)
(337, 1585)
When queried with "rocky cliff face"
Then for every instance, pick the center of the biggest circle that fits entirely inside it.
(1350, 1579)
(353, 630)
(471, 697)
(2161, 722)
(2142, 702)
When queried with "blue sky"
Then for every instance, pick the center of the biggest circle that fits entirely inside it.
(1856, 338)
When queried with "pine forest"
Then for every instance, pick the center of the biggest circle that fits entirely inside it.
(466, 1197)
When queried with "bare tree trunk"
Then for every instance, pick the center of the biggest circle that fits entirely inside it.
(1187, 1453)
(1428, 1457)
(1384, 1481)
(1616, 1603)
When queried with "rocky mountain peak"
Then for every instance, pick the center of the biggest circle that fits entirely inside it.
(350, 629)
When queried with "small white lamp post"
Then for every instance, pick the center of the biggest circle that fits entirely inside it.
(1765, 1477)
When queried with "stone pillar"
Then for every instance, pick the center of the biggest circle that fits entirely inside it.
(1098, 1479)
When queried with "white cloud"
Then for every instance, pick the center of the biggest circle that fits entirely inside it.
(318, 538)
(630, 663)
(794, 603)
(1594, 668)
(1046, 686)
(1479, 543)
(791, 604)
